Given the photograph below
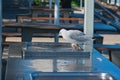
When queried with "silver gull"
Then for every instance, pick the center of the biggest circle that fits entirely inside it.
(75, 37)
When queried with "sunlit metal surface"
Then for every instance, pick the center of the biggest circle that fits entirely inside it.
(70, 66)
(66, 76)
(72, 76)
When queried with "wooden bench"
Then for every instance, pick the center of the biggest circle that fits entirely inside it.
(98, 38)
(25, 15)
(6, 34)
(19, 34)
(22, 18)
(110, 48)
(7, 43)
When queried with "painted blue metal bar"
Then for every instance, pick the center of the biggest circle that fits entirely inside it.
(101, 64)
(56, 12)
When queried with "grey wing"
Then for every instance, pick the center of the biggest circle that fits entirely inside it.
(75, 35)
(75, 32)
(79, 37)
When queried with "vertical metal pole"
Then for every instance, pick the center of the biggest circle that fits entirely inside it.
(118, 3)
(105, 1)
(50, 4)
(56, 12)
(56, 17)
(50, 7)
(108, 1)
(89, 17)
(115, 2)
(30, 3)
(89, 25)
(81, 1)
(0, 39)
(112, 2)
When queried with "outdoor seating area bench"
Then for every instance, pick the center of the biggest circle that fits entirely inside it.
(47, 30)
(27, 18)
(37, 13)
(25, 15)
(114, 51)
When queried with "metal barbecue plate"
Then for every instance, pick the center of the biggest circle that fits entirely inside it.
(49, 55)
(71, 76)
(51, 47)
(50, 50)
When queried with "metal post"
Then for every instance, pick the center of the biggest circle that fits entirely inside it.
(115, 2)
(81, 5)
(89, 17)
(118, 3)
(89, 25)
(0, 39)
(50, 4)
(56, 12)
(112, 2)
(105, 1)
(50, 7)
(109, 1)
(30, 3)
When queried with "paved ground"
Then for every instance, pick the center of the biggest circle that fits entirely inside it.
(111, 39)
(108, 39)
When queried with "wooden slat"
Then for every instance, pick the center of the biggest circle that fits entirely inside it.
(11, 34)
(49, 10)
(106, 47)
(48, 18)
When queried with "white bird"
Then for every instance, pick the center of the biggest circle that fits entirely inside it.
(74, 37)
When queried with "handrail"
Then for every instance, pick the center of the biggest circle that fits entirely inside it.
(115, 22)
(106, 10)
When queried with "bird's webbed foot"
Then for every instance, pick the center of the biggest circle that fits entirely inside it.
(76, 47)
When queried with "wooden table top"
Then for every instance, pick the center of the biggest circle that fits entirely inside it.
(97, 26)
(49, 10)
(38, 25)
(30, 24)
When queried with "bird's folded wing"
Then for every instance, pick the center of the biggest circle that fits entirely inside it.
(80, 38)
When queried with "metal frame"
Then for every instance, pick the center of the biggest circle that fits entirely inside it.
(56, 12)
(88, 25)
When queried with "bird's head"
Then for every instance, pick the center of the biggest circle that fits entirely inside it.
(61, 31)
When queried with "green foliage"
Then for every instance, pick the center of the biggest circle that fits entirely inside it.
(75, 3)
(37, 2)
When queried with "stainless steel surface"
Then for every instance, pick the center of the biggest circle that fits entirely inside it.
(68, 65)
(72, 76)
(15, 50)
(66, 76)
(50, 50)
(48, 55)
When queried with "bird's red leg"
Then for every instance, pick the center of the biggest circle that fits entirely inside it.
(73, 47)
